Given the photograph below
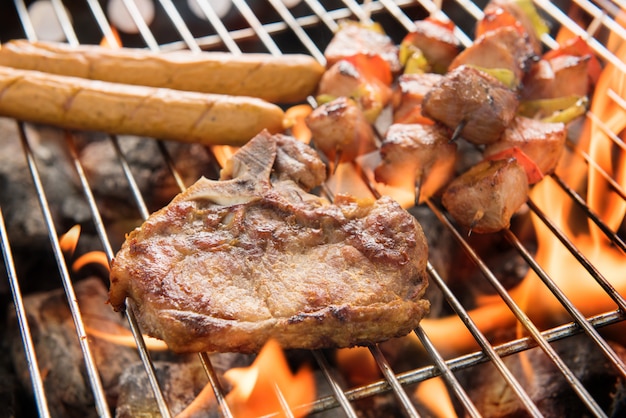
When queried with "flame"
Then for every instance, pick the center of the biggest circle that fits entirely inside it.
(358, 365)
(347, 179)
(223, 153)
(125, 338)
(295, 120)
(257, 390)
(113, 41)
(69, 240)
(434, 395)
(203, 402)
(92, 257)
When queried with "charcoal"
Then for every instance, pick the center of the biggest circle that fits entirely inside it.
(546, 386)
(180, 380)
(9, 386)
(58, 351)
(180, 383)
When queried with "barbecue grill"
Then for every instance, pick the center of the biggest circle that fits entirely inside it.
(306, 27)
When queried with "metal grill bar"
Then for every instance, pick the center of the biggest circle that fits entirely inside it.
(393, 382)
(571, 309)
(523, 318)
(27, 339)
(92, 370)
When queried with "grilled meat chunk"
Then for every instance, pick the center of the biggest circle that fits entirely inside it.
(416, 156)
(229, 264)
(296, 161)
(561, 76)
(503, 48)
(344, 78)
(542, 142)
(485, 197)
(408, 97)
(354, 38)
(518, 14)
(340, 130)
(470, 101)
(436, 42)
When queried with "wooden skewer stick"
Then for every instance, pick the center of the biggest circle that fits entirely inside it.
(457, 131)
(477, 217)
(418, 186)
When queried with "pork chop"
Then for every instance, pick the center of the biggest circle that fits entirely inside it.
(229, 264)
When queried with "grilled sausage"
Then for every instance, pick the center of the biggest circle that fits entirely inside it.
(78, 103)
(277, 79)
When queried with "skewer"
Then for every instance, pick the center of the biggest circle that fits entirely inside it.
(418, 186)
(457, 131)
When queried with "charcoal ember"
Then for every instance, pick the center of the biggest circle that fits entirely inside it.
(21, 210)
(547, 387)
(58, 351)
(180, 383)
(150, 172)
(10, 389)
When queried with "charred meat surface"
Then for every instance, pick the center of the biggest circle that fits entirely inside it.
(542, 142)
(415, 155)
(229, 264)
(354, 38)
(472, 102)
(503, 48)
(340, 130)
(485, 197)
(409, 95)
(564, 75)
(435, 41)
(346, 79)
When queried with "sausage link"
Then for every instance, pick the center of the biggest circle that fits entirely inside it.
(77, 103)
(282, 79)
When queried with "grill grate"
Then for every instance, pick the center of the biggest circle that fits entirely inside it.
(273, 27)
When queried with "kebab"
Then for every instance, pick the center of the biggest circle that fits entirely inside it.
(362, 61)
(412, 153)
(341, 130)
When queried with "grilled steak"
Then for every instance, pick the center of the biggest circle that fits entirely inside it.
(229, 264)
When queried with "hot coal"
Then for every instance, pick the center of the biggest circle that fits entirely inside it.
(546, 386)
(58, 351)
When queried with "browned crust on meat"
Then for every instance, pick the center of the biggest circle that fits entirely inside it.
(205, 276)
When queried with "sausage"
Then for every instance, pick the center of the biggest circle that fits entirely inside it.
(78, 103)
(282, 79)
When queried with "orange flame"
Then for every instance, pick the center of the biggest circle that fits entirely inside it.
(358, 365)
(92, 257)
(223, 153)
(69, 240)
(434, 395)
(125, 338)
(295, 120)
(112, 42)
(257, 390)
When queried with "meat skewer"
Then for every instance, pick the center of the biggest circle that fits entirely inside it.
(409, 96)
(485, 197)
(542, 142)
(357, 38)
(340, 131)
(432, 40)
(473, 103)
(417, 156)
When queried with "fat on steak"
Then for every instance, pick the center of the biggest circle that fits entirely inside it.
(229, 264)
